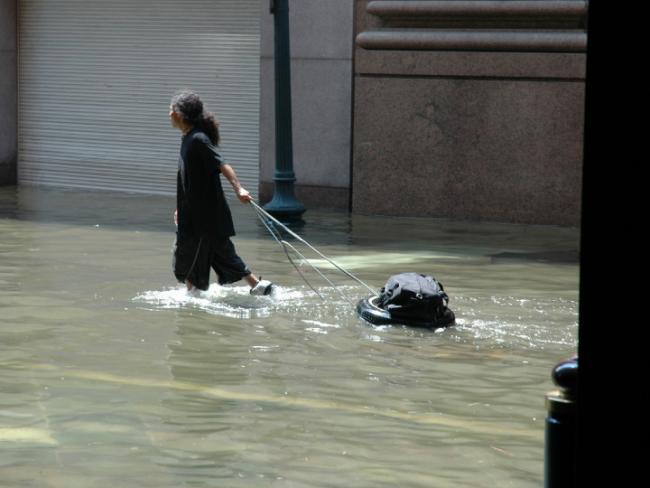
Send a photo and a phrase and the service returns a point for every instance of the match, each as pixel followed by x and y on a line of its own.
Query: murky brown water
pixel 112 375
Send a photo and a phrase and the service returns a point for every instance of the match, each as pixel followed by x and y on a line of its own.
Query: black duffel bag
pixel 414 298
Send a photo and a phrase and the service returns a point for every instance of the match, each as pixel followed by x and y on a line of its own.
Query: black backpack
pixel 415 298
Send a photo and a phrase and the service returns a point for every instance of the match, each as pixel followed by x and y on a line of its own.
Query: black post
pixel 284 204
pixel 560 444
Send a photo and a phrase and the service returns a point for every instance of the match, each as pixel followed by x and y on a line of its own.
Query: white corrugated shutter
pixel 96 78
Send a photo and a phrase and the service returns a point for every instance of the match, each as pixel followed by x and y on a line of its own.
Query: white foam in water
pixel 526 322
pixel 236 301
pixel 320 324
pixel 231 301
pixel 531 323
pixel 317 330
pixel 321 327
pixel 373 338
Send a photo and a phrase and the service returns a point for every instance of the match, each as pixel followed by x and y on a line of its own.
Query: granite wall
pixel 8 92
pixel 469 110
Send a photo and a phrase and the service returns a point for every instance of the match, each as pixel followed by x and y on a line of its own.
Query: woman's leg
pixel 231 268
pixel 252 280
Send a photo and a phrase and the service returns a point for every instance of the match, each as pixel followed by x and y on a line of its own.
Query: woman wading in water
pixel 203 219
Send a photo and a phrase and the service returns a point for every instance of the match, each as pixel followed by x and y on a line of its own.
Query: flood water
pixel 111 374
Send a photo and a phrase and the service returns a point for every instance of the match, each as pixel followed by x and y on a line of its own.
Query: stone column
pixel 321 83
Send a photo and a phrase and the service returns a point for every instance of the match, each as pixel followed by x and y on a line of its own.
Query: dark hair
pixel 189 106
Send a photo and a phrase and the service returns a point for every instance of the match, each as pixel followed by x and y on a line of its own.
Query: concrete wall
pixel 321 80
pixel 456 117
pixel 8 92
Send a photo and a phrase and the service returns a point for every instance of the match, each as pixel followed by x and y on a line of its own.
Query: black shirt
pixel 201 203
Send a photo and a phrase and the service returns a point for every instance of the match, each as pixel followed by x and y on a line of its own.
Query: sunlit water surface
pixel 113 375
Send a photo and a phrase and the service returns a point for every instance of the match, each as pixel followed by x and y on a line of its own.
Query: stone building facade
pixel 465 109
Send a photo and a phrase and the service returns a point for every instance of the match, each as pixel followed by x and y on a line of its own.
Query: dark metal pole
pixel 284 203
pixel 561 434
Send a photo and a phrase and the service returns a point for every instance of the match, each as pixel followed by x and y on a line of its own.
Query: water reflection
pixel 111 373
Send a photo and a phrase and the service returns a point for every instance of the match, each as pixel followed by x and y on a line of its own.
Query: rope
pixel 261 213
pixel 317 271
pixel 276 235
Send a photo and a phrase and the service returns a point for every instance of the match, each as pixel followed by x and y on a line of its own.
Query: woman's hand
pixel 176 216
pixel 243 195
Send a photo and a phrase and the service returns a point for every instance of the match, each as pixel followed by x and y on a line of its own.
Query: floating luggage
pixel 410 299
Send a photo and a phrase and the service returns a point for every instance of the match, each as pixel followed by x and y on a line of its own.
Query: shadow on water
pixel 81 207
pixel 155 213
pixel 569 257
pixel 128 211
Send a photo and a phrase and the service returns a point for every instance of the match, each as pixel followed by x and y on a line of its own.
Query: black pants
pixel 193 258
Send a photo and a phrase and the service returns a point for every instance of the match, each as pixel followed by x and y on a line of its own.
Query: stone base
pixel 312 197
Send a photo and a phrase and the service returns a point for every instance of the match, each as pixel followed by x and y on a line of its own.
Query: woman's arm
pixel 229 173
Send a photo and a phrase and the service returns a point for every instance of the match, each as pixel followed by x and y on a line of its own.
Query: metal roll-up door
pixel 96 78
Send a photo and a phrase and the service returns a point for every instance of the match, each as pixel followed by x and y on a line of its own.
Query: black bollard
pixel 561 436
